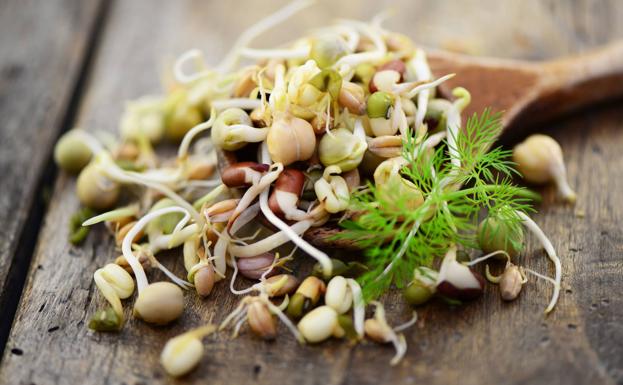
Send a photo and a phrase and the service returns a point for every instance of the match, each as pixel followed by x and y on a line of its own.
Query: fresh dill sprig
pixel 397 238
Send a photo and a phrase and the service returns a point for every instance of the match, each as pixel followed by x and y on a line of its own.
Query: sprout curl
pixel 551 253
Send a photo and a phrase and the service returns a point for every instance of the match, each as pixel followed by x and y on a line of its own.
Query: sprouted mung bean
pixel 345 128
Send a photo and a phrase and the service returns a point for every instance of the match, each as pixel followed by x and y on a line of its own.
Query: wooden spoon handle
pixel 578 81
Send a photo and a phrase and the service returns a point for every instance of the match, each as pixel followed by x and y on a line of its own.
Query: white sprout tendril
pixel 325 261
pixel 271 242
pixel 233 280
pixel 422 72
pixel 412 91
pixel 539 275
pixel 286 321
pixel 288 53
pixel 110 168
pixel 551 253
pixel 258 28
pixel 190 135
pixel 112 215
pixel 126 246
pixel 359 307
pixel 382 16
pixel 243 103
pixel 178 281
pixel 407 324
pixel 490 255
pixel 178 72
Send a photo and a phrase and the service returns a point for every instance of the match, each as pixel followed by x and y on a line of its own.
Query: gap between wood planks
pixel 27 240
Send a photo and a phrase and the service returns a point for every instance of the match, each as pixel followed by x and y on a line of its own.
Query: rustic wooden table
pixel 74 62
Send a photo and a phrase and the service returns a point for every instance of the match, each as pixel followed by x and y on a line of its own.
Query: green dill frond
pixel 397 237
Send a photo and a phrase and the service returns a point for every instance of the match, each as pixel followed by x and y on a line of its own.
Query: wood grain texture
pixel 43 46
pixel 485 342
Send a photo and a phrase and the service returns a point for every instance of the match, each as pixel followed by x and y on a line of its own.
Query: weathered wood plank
pixel 484 342
pixel 43 46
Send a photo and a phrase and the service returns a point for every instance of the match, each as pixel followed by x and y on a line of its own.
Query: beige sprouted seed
pixel 291 139
pixel 496 234
pixel 246 82
pixel 320 324
pixel 115 284
pixel 181 354
pixel 280 285
pixel 388 146
pixel 306 296
pixel 423 286
pixel 341 148
pixel 95 190
pixel 539 159
pixel 127 151
pixel 394 188
pixel 204 279
pixel 339 295
pixel 378 330
pixel 261 321
pixel 352 96
pixel 511 282
pixel 384 81
pixel 123 231
pixel 332 190
pixel 233 129
pixel 71 153
pixel 263 327
pixel 159 303
pixel 142 257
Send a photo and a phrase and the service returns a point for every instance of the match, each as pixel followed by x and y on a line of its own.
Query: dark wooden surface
pixel 486 342
pixel 43 49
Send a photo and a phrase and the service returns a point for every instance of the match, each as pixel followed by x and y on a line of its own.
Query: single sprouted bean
pixel 115 284
pixel 378 330
pixel 332 190
pixel 539 159
pixel 338 295
pixel 181 354
pixel 306 297
pixel 238 315
pixel 320 324
pixel 147 305
pixel 456 280
pixel 422 287
pixel 71 153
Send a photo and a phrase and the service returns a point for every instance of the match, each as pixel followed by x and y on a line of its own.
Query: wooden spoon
pixel 528 93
